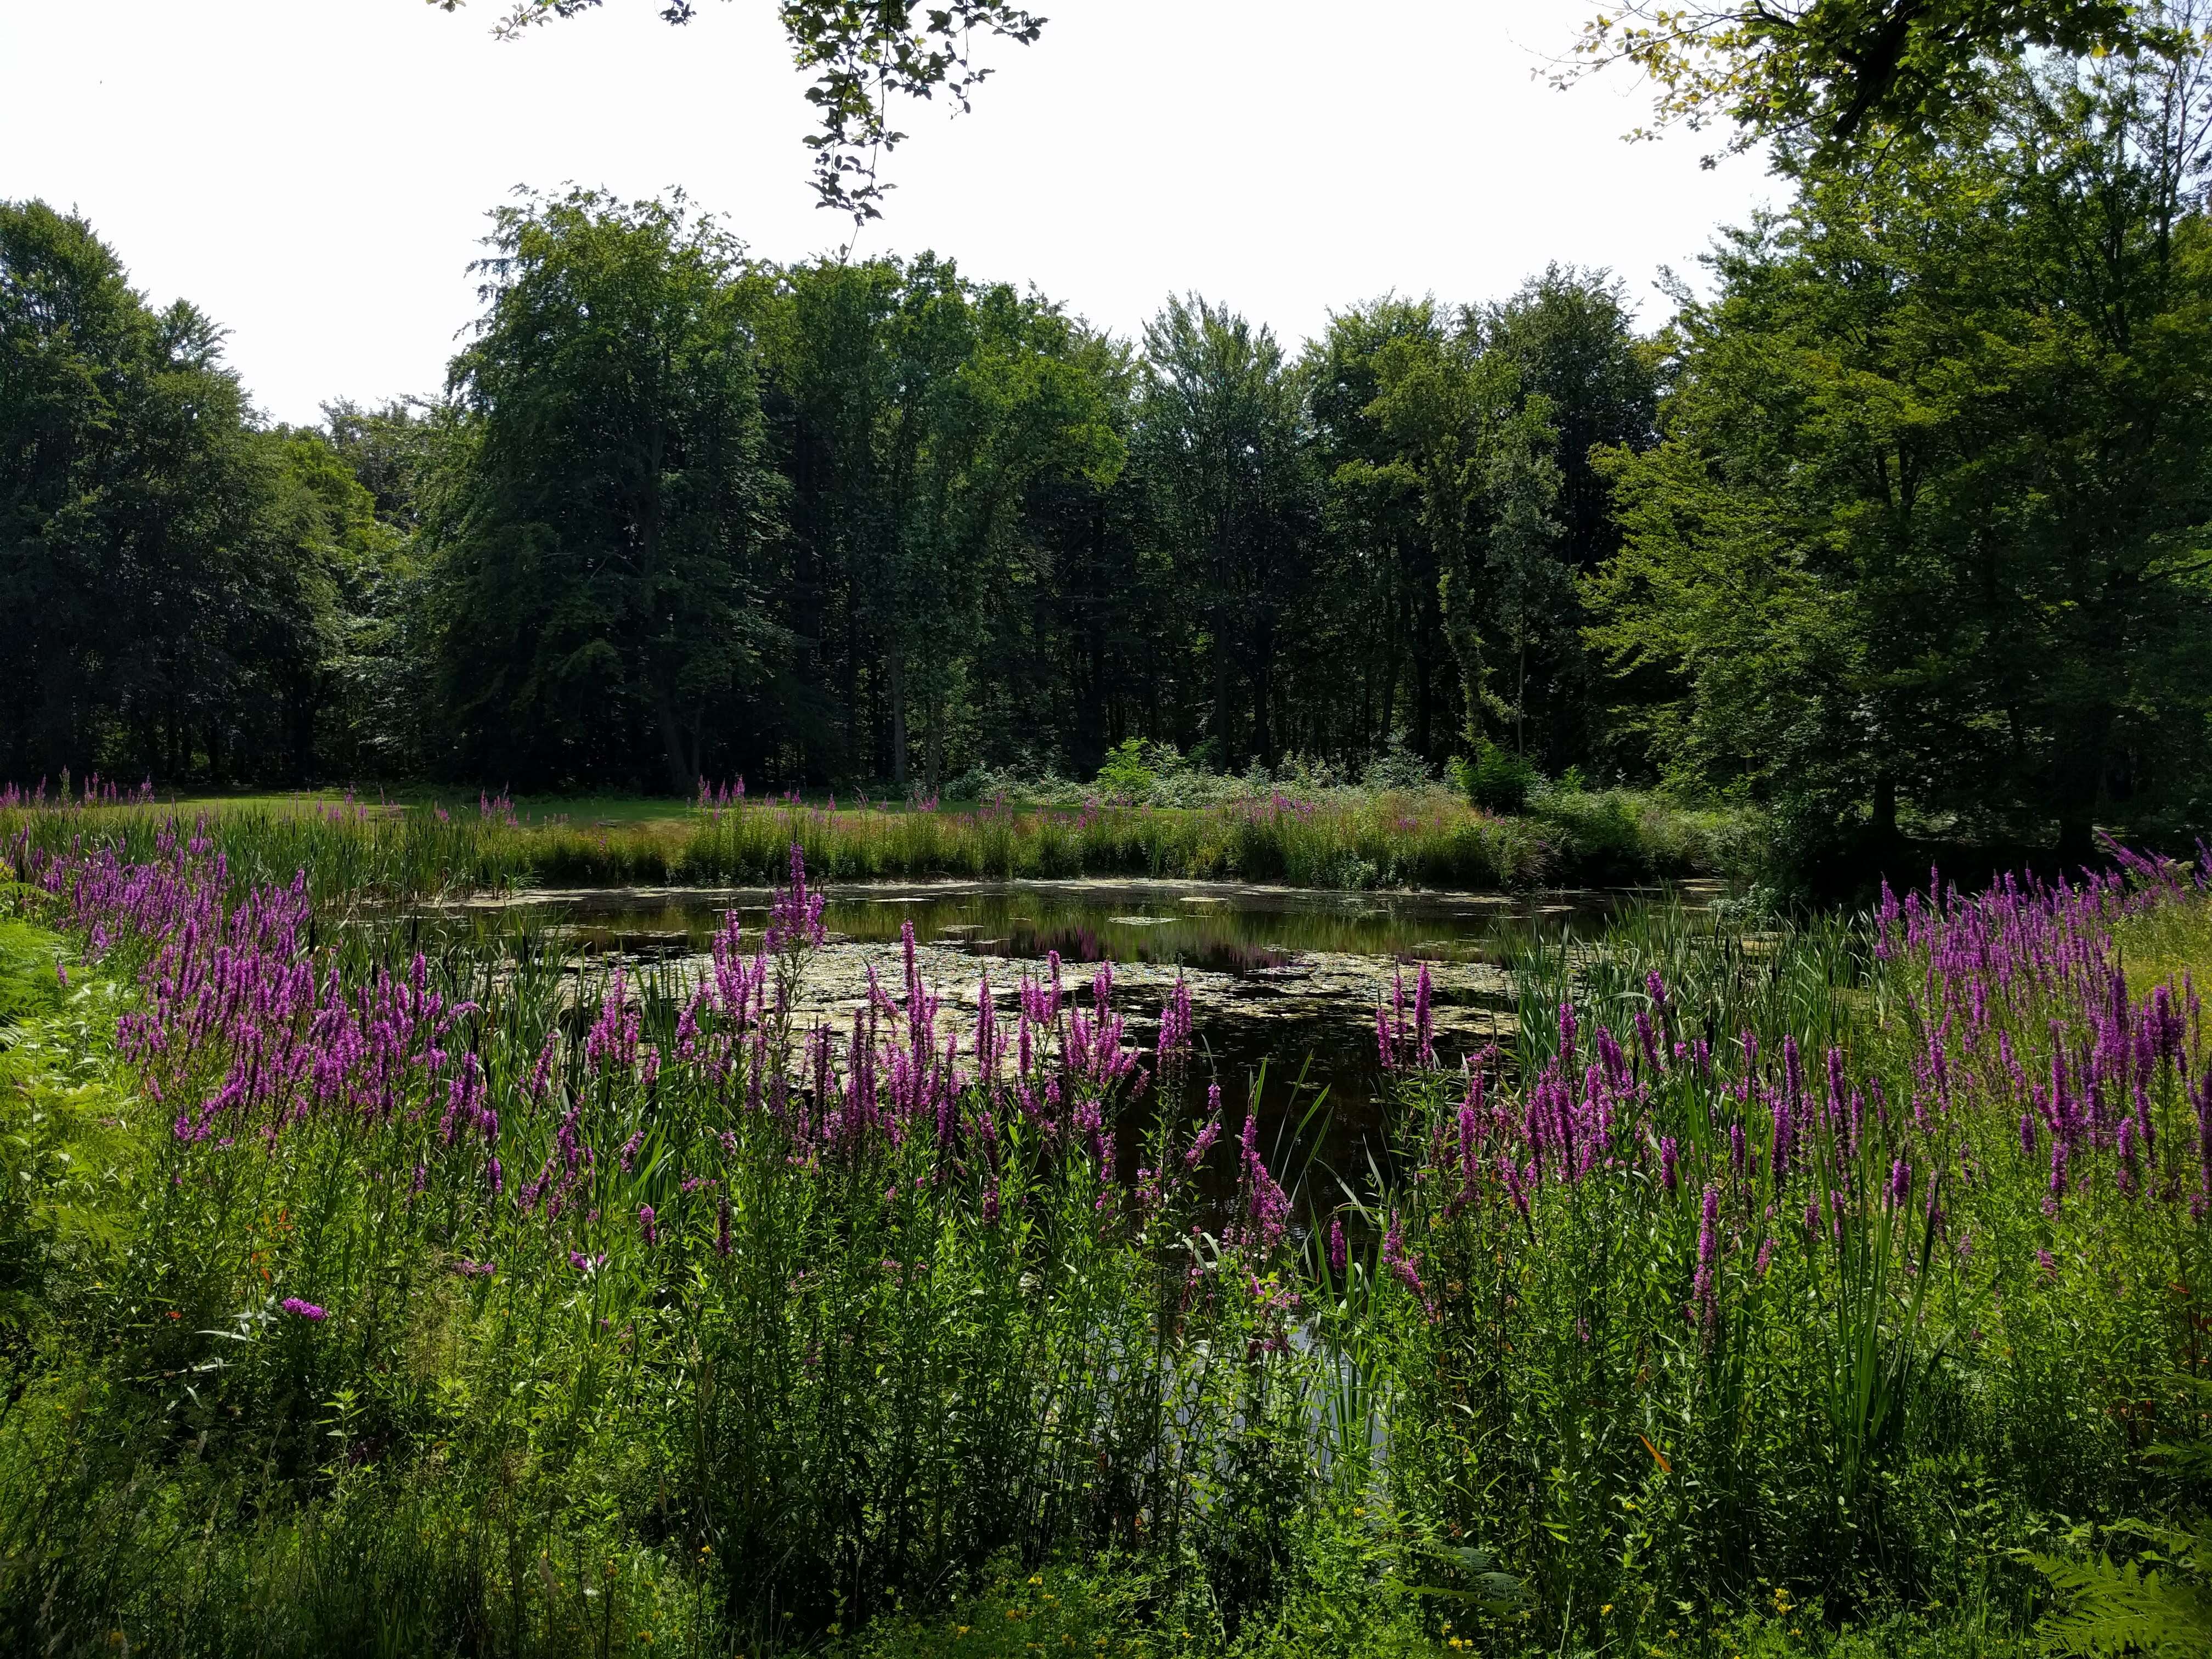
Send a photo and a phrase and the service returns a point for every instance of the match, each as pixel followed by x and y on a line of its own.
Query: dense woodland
pixel 1900 519
pixel 381 1273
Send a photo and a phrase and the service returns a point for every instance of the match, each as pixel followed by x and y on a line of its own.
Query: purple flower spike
pixel 795 922
pixel 1704 1302
pixel 306 1310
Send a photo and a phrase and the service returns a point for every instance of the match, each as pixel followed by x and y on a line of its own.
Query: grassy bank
pixel 1805 1289
pixel 1339 838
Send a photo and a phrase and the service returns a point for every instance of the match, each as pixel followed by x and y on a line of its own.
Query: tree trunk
pixel 2080 779
pixel 1089 703
pixel 1424 676
pixel 1521 700
pixel 1221 666
pixel 1263 737
pixel 933 749
pixel 1390 713
pixel 682 776
pixel 896 688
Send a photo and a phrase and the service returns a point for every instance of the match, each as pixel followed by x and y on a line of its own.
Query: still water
pixel 1285 982
pixel 1211 926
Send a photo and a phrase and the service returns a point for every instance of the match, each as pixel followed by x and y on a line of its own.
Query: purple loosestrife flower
pixel 1204 1142
pixel 1900 1183
pixel 1704 1312
pixel 795 919
pixel 1668 1178
pixel 1337 1254
pixel 1406 1267
pixel 2204 1126
pixel 644 1226
pixel 1175 1018
pixel 1266 1203
pixel 306 1310
pixel 1648 1041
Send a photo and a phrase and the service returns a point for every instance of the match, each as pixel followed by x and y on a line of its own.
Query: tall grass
pixel 467 1299
pixel 351 851
pixel 1865 1249
pixel 1344 839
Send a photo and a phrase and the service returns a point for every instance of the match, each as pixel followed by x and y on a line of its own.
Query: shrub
pixel 1397 768
pixel 1495 778
pixel 1125 776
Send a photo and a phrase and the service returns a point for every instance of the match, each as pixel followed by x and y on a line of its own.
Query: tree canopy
pixel 862 57
pixel 1901 526
pixel 1928 520
pixel 1837 73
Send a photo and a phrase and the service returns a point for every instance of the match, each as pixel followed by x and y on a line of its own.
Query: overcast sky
pixel 315 172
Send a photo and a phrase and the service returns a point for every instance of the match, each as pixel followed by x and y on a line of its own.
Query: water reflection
pixel 1286 982
pixel 1213 927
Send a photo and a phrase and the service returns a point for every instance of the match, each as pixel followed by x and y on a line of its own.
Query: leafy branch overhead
pixel 1836 71
pixel 863 54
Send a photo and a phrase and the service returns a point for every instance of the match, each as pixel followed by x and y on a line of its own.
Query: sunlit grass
pixel 2174 942
pixel 1733 1306
pixel 424 845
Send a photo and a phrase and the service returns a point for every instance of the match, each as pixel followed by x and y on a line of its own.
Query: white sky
pixel 313 174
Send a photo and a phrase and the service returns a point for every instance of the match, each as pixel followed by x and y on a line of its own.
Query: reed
pixel 578 1307
pixel 387 853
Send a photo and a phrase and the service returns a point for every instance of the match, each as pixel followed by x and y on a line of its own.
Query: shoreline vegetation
pixel 1840 1296
pixel 412 847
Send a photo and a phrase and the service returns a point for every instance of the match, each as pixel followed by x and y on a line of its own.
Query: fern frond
pixel 2125 1609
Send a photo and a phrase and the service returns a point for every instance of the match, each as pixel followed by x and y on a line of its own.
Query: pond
pixel 1285 982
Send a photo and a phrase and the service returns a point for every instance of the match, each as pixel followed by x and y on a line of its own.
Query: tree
pixel 1570 336
pixel 164 613
pixel 1390 575
pixel 1835 72
pixel 1927 526
pixel 917 411
pixel 863 56
pixel 603 518
pixel 1474 456
pixel 1222 439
